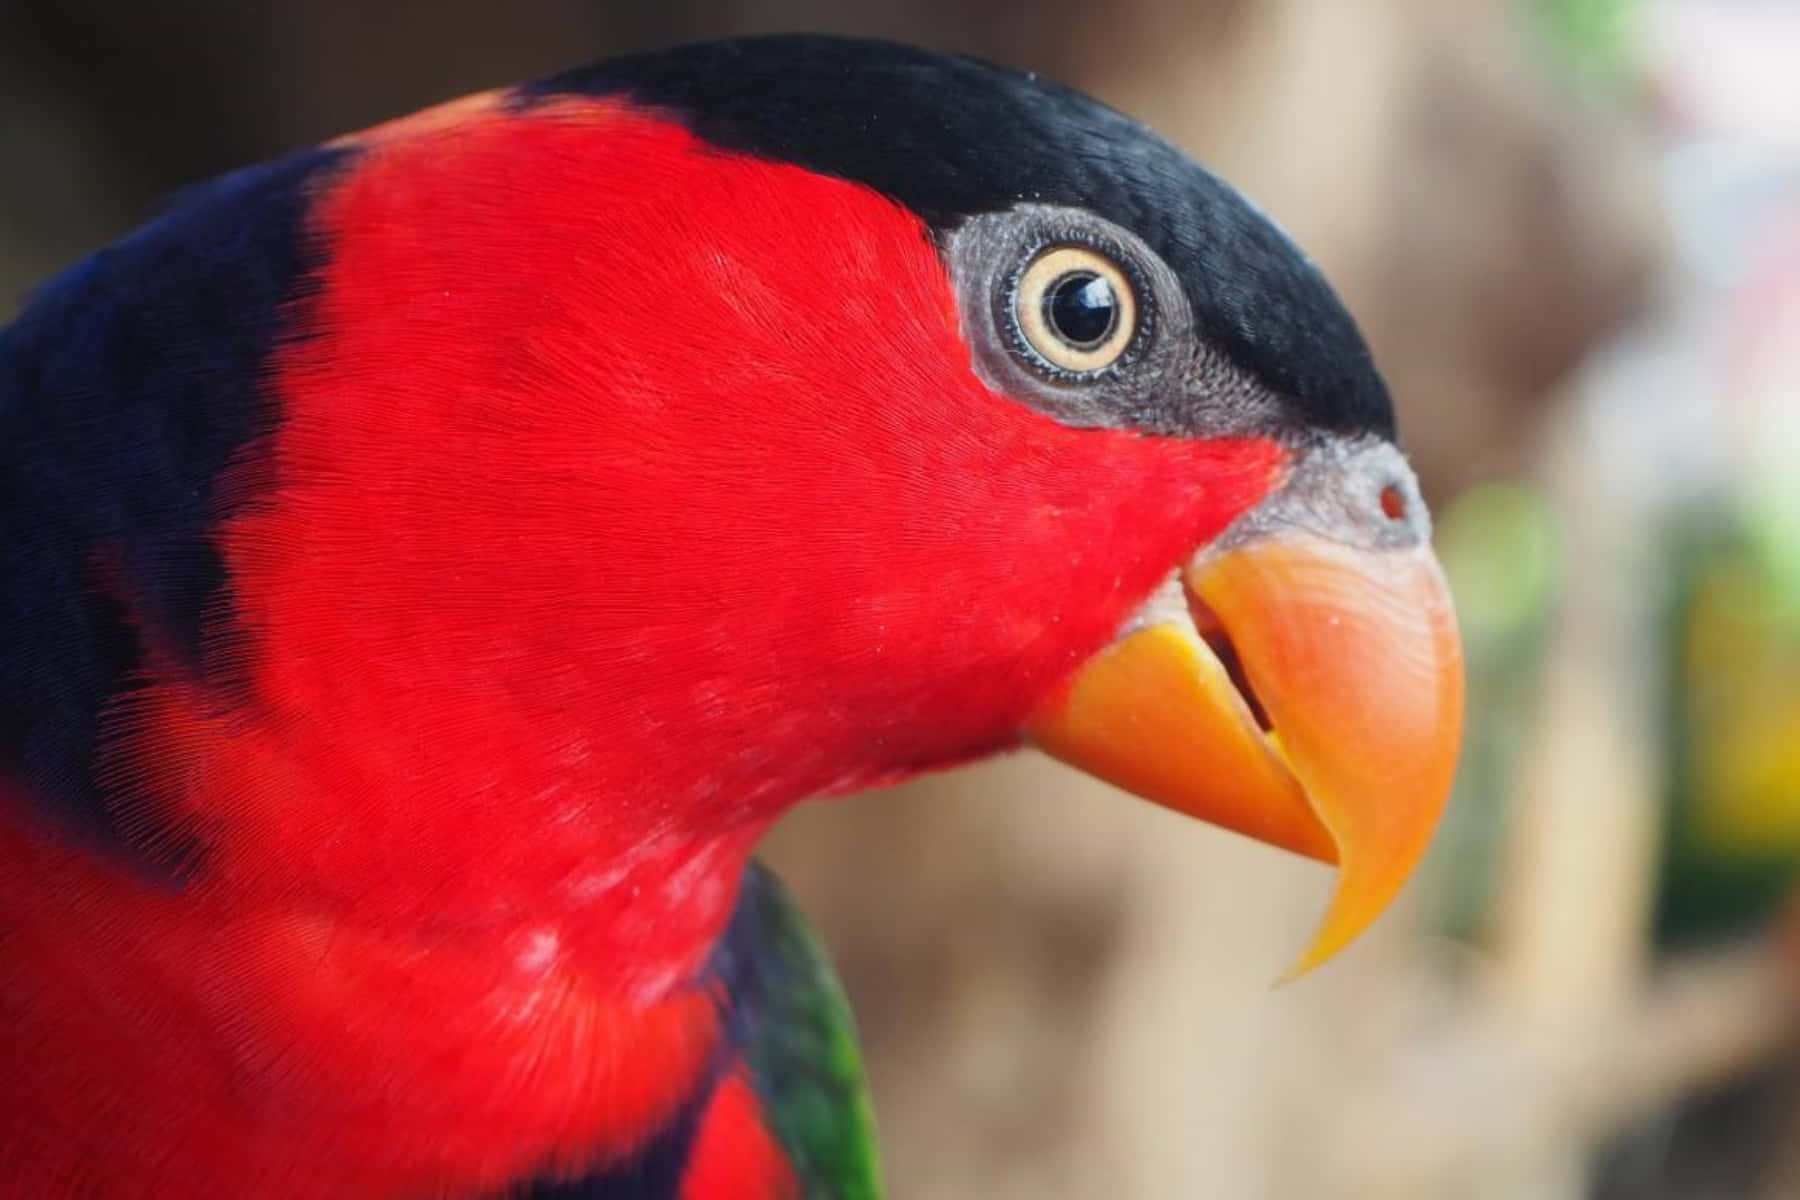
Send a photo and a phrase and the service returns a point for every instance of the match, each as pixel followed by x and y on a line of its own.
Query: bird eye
pixel 1076 309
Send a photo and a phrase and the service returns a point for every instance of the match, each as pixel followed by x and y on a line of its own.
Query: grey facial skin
pixel 1360 492
pixel 1169 381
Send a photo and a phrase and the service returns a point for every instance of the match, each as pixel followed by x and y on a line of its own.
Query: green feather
pixel 800 1045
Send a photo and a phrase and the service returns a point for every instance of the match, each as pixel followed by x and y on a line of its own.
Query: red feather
pixel 733 1153
pixel 626 492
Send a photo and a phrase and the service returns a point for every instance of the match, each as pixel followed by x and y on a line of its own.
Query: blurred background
pixel 1571 229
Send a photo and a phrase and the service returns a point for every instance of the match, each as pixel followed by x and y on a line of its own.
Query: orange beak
pixel 1338 736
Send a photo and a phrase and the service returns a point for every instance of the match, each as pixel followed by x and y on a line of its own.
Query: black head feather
pixel 953 137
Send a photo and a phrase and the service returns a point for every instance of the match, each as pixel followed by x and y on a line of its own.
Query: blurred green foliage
pixel 1593 38
pixel 1500 546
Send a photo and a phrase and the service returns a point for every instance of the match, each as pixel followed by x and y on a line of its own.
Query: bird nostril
pixel 1393 504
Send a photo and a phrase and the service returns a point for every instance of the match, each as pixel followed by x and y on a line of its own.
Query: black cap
pixel 952 137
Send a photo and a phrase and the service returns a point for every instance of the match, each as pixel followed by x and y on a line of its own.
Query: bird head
pixel 674 440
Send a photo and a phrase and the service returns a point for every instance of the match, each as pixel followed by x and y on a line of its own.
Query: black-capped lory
pixel 433 559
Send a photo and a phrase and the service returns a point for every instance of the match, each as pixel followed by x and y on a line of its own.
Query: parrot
pixel 434 558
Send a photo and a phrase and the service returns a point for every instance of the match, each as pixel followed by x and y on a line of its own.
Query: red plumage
pixel 733 1153
pixel 626 492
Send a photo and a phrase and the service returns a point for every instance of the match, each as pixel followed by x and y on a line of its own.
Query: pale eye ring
pixel 1076 309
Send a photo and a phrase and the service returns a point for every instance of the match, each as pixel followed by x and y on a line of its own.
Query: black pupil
pixel 1082 308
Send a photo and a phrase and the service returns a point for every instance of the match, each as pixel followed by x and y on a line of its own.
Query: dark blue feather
pixel 127 387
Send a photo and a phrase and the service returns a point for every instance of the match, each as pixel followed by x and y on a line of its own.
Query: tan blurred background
pixel 1552 218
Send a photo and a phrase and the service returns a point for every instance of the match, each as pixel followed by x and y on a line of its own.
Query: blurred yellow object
pixel 1731 856
pixel 1741 673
